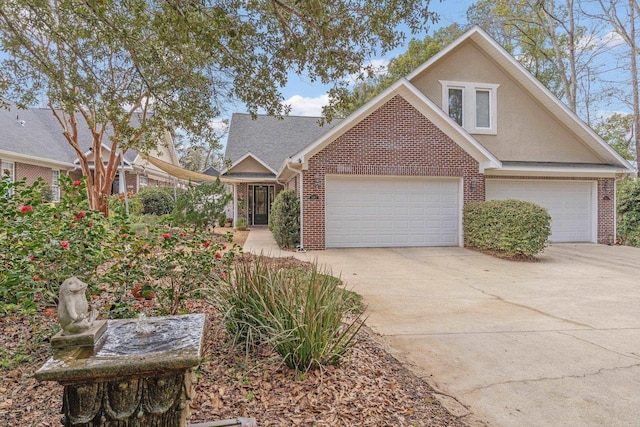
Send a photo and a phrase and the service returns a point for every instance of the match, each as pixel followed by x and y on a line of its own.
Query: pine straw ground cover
pixel 370 387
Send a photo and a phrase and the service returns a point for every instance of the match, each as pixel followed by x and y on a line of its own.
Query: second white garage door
pixel 391 212
pixel 570 204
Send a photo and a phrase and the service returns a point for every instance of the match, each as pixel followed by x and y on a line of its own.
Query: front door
pixel 261 204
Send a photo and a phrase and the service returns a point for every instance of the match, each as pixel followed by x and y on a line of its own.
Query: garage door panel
pixel 569 203
pixel 384 212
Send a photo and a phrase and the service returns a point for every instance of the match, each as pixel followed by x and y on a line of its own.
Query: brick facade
pixel 397 140
pixel 394 140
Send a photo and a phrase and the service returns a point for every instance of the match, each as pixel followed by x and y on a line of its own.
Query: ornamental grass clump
pixel 304 315
pixel 511 228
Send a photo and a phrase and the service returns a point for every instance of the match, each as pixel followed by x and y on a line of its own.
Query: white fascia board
pixel 34 160
pixel 576 172
pixel 243 158
pixel 288 170
pixel 419 101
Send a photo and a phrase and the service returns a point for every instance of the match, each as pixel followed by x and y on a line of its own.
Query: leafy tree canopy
pixel 134 68
pixel 618 130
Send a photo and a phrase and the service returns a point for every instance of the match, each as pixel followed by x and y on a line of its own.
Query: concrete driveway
pixel 551 343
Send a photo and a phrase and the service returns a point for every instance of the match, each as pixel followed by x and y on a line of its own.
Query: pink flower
pixel 25 209
pixel 76 183
pixel 64 244
pixel 181 234
pixel 206 244
pixel 82 214
pixel 166 236
pixel 223 275
pixel 32 258
pixel 224 248
pixel 218 256
pixel 36 278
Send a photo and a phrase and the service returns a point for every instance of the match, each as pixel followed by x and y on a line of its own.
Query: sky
pixel 307 99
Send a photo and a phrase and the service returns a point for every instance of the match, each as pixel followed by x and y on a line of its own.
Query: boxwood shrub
pixel 285 219
pixel 509 227
pixel 156 201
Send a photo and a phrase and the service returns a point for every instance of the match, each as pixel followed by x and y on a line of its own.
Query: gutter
pixel 13 156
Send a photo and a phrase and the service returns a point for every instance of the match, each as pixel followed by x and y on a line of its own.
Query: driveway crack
pixel 629 355
pixel 535 310
pixel 536 380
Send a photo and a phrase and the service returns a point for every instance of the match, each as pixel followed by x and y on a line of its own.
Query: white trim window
pixel 472 105
pixel 143 181
pixel 8 173
pixel 55 185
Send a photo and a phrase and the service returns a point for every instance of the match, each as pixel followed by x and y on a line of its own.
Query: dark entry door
pixel 261 205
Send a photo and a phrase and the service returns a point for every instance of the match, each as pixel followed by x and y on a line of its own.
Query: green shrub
pixel 628 198
pixel 302 314
pixel 117 202
pixel 509 227
pixel 156 201
pixel 285 219
pixel 202 205
pixel 241 223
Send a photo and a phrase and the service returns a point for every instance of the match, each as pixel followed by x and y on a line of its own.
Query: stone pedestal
pixel 136 376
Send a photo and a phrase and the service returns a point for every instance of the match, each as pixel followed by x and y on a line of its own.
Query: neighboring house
pixel 32 146
pixel 470 124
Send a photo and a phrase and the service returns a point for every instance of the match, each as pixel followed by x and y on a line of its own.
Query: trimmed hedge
pixel 156 201
pixel 284 221
pixel 510 227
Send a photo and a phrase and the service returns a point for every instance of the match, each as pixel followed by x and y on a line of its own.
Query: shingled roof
pixel 270 139
pixel 36 132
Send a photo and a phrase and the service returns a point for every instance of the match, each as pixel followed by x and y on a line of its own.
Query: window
pixel 143 181
pixel 7 171
pixel 471 105
pixel 55 185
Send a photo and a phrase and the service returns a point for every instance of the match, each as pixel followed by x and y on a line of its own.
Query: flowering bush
pixel 42 244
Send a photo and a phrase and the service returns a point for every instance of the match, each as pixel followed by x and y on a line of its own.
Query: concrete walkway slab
pixel 548 343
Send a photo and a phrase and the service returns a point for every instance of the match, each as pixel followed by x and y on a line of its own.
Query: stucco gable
pixel 532 123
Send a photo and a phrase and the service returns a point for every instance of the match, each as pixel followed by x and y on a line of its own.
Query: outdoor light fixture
pixel 607 187
pixel 473 184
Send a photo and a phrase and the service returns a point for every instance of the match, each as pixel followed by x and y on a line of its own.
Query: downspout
pixel 235 203
pixel 299 172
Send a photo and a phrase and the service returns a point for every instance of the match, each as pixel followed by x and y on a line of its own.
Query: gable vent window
pixel 472 105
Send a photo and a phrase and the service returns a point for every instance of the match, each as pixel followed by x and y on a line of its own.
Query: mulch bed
pixel 370 388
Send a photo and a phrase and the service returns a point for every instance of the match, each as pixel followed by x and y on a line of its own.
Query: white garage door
pixel 390 212
pixel 570 204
